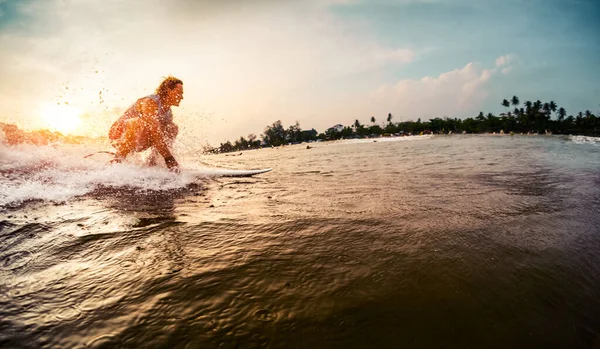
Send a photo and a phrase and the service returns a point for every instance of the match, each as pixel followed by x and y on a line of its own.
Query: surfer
pixel 148 123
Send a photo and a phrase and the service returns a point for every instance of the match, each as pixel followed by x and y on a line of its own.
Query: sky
pixel 76 65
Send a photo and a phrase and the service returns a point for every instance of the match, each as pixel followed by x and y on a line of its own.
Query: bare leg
pixel 132 130
pixel 153 157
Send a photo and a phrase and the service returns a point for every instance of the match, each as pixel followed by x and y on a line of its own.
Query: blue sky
pixel 557 42
pixel 246 64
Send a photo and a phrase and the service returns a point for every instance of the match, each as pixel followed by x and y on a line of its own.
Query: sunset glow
pixel 329 62
pixel 62 118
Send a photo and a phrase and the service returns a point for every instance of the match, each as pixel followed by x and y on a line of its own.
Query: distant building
pixel 335 128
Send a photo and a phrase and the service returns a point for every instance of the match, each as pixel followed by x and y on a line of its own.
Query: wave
pixel 585 140
pixel 58 173
pixel 385 139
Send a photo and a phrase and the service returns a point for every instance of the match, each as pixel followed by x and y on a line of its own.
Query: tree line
pixel 529 117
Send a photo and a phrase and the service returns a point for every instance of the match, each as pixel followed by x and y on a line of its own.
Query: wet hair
pixel 169 83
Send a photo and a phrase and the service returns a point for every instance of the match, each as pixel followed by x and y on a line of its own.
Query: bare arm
pixel 148 109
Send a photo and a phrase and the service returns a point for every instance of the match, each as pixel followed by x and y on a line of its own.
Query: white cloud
pixel 505 60
pixel 456 93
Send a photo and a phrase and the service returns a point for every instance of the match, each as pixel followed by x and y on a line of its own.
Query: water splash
pixel 57 173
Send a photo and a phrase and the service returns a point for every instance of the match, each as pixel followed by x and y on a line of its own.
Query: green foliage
pixel 275 134
pixel 534 117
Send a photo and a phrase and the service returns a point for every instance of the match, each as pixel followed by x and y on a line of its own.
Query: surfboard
pixel 224 172
pixel 209 171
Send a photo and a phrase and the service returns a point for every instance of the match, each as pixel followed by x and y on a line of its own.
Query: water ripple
pixel 446 242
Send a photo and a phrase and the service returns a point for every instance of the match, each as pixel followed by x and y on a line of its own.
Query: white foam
pixel 396 139
pixel 380 139
pixel 585 140
pixel 60 172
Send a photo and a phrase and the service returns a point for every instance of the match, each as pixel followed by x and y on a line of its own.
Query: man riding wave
pixel 148 123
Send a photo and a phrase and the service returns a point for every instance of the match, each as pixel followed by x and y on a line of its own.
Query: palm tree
pixel 561 114
pixel 515 101
pixel 516 111
pixel 579 119
pixel 528 107
pixel 553 106
pixel 537 112
pixel 546 109
pixel 356 124
pixel 505 103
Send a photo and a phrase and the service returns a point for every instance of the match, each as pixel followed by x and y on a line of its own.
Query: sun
pixel 62 118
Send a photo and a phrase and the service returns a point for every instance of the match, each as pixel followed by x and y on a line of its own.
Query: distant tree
pixel 226 147
pixel 375 129
pixel 309 135
pixel 293 133
pixel 505 103
pixel 515 101
pixel 552 106
pixel 579 119
pixel 528 108
pixel 275 134
pixel 437 125
pixel 561 114
pixel 533 117
pixel 241 144
pixel 253 141
pixel 346 132
pixel 547 112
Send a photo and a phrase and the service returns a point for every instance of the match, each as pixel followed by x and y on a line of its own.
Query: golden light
pixel 62 118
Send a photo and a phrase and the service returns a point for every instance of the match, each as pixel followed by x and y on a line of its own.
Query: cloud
pixel 457 93
pixel 506 70
pixel 505 60
pixel 235 58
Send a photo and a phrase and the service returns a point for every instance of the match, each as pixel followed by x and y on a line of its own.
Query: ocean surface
pixel 416 242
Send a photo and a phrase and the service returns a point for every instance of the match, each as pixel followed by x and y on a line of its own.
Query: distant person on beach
pixel 148 123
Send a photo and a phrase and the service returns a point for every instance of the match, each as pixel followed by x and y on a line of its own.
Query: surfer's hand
pixel 172 164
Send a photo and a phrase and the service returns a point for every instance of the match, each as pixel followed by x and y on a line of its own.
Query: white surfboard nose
pixel 223 172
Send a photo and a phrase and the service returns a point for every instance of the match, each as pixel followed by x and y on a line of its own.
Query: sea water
pixel 416 242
